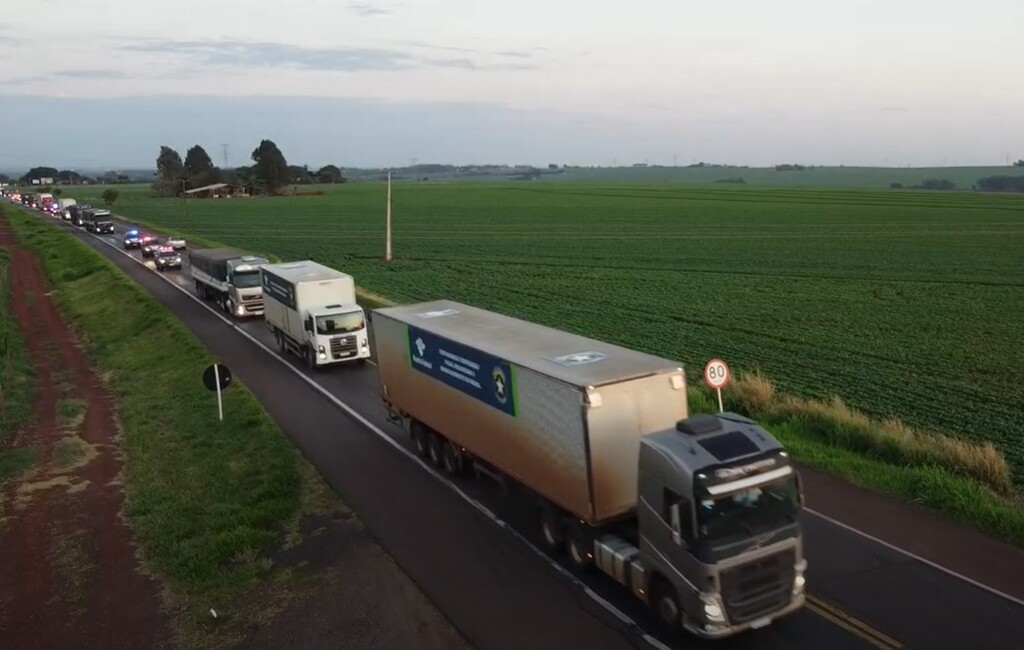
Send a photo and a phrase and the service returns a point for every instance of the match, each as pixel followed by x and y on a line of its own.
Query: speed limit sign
pixel 716 376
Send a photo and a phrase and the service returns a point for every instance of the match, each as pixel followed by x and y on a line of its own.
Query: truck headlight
pixel 320 349
pixel 713 610
pixel 240 310
pixel 365 343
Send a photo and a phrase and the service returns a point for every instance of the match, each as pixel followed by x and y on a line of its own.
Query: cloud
pixel 367 9
pixel 279 55
pixel 68 74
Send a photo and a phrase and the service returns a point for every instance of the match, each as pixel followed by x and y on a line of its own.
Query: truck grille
pixel 759 587
pixel 343 346
pixel 253 307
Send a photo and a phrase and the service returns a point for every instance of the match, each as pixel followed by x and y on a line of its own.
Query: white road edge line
pixel 914 556
pixel 614 610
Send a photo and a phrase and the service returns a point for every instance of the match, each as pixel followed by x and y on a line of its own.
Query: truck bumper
pixel 732 630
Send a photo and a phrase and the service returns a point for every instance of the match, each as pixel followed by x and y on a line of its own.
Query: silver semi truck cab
pixel 719 539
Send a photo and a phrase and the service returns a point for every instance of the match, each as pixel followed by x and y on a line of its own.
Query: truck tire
pixel 579 547
pixel 552 530
pixel 420 438
pixel 310 358
pixel 452 461
pixel 435 446
pixel 664 603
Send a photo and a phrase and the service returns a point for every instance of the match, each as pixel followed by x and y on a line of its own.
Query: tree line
pixel 270 172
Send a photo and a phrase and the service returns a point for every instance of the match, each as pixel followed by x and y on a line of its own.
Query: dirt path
pixel 68 573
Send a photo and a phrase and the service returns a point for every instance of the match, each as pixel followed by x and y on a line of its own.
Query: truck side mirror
pixel 308 325
pixel 676 526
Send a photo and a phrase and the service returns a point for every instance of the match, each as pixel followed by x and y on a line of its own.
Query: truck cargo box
pixel 213 261
pixel 560 413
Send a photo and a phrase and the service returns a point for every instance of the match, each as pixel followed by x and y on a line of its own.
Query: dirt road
pixel 68 571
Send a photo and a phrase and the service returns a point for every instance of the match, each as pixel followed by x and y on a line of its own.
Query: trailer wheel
pixel 435 445
pixel 420 439
pixel 580 549
pixel 551 529
pixel 452 460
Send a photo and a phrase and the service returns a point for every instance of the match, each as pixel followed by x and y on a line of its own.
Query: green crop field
pixel 904 303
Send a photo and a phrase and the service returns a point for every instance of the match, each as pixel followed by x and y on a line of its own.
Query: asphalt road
pixel 501 592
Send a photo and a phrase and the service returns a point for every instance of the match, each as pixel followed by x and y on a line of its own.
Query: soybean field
pixel 904 303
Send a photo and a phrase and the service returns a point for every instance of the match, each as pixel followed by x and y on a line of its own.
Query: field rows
pixel 903 303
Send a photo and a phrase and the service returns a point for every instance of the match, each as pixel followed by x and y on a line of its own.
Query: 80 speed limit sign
pixel 716 374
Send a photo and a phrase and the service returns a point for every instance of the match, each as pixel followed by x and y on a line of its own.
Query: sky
pixel 579 82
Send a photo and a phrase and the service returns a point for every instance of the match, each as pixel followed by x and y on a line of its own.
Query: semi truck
pixel 229 277
pixel 98 221
pixel 311 310
pixel 697 516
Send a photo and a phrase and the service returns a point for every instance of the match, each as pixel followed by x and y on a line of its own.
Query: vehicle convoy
pixel 229 277
pixel 311 310
pixel 98 221
pixel 696 516
pixel 167 258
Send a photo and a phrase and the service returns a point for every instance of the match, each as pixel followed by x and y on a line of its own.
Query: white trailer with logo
pixel 696 516
pixel 312 312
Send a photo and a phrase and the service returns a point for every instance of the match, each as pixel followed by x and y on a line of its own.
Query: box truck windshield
pixel 335 323
pixel 749 511
pixel 246 279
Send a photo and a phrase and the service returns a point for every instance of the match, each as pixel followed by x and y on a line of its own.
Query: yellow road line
pixel 852 624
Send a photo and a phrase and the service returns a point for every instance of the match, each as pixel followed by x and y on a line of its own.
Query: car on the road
pixel 177 243
pixel 132 238
pixel 167 257
pixel 149 245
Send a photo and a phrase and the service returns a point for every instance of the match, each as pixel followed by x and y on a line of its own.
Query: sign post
pixel 217 378
pixel 716 376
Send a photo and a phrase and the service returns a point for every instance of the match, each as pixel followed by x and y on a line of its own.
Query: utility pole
pixel 225 149
pixel 184 202
pixel 387 246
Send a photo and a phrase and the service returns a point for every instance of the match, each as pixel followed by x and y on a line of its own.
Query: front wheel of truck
pixel 665 603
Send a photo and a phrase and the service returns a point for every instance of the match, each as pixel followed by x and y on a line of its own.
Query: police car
pixel 132 238
pixel 167 258
pixel 150 244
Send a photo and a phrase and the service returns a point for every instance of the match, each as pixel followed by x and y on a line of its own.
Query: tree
pixel 1019 163
pixel 37 173
pixel 199 169
pixel 170 172
pixel 300 175
pixel 330 174
pixel 271 168
pixel 4 178
pixel 57 191
pixel 69 177
pixel 110 197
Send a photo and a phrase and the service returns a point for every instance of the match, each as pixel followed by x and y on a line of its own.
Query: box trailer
pixel 600 438
pixel 312 312
pixel 229 277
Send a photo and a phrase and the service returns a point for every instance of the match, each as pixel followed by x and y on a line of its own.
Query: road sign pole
pixel 720 408
pixel 220 403
pixel 717 376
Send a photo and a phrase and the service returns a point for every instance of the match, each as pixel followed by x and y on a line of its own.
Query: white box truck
pixel 696 516
pixel 64 206
pixel 311 310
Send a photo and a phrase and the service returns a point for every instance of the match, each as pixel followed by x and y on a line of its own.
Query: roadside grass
pixel 969 482
pixel 203 497
pixel 17 461
pixel 17 379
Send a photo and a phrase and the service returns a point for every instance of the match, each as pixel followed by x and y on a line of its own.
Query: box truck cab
pixel 312 312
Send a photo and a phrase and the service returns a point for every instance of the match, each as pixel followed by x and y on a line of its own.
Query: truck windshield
pixel 338 323
pixel 246 279
pixel 746 511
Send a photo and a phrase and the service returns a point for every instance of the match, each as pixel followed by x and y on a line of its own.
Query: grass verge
pixel 16 377
pixel 203 497
pixel 968 482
